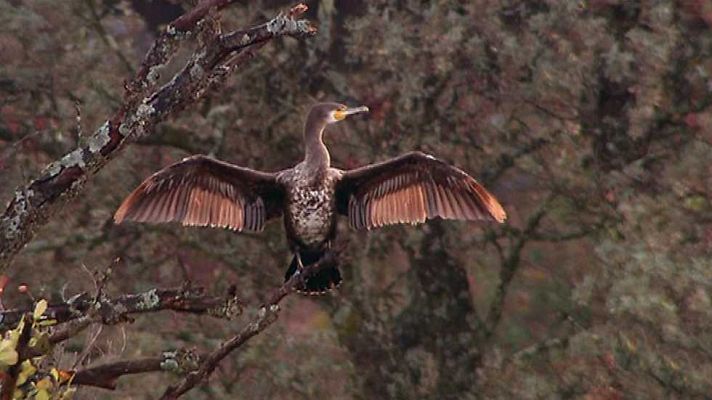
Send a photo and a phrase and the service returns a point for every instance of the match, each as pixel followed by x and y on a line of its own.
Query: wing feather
pixel 202 191
pixel 411 189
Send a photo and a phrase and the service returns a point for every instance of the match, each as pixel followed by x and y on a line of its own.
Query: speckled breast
pixel 311 210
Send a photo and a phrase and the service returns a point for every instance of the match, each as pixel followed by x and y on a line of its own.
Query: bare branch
pixel 34 202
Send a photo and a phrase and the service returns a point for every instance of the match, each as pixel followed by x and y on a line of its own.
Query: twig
pixel 95 21
pixel 88 346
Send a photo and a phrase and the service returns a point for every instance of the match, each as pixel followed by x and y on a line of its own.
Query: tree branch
pixel 112 311
pixel 106 375
pixel 34 202
pixel 509 267
pixel 507 160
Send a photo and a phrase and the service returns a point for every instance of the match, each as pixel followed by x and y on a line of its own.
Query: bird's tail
pixel 324 281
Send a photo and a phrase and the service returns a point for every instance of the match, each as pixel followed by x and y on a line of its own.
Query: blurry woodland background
pixel 590 120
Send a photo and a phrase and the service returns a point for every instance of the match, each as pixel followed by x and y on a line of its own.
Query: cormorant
pixel 202 191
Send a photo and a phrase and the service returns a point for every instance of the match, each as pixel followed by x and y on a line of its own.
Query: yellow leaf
pixel 40 309
pixel 68 394
pixel 673 365
pixel 44 384
pixel 42 395
pixel 26 371
pixel 14 335
pixel 61 376
pixel 630 345
pixel 8 355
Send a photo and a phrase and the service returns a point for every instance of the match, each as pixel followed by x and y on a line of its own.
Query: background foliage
pixel 590 120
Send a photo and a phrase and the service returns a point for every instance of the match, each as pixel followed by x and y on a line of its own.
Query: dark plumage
pixel 412 188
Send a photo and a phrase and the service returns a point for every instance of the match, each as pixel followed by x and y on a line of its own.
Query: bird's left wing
pixel 410 189
pixel 202 191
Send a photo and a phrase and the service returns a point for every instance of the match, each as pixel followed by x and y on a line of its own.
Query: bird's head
pixel 334 112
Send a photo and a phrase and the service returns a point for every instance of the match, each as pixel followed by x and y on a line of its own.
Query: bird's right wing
pixel 410 189
pixel 202 191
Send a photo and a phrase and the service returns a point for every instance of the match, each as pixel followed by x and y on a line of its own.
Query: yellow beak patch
pixel 339 115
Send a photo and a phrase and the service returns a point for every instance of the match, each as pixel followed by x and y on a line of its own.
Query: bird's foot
pixel 300 274
pixel 300 265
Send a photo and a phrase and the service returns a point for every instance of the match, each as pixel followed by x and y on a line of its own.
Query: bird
pixel 311 196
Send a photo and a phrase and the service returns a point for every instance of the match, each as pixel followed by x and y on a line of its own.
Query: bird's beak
pixel 355 110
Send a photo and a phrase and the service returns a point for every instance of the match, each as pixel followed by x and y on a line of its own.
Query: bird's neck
pixel 316 155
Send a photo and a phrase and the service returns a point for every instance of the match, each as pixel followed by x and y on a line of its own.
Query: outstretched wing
pixel 410 189
pixel 201 191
